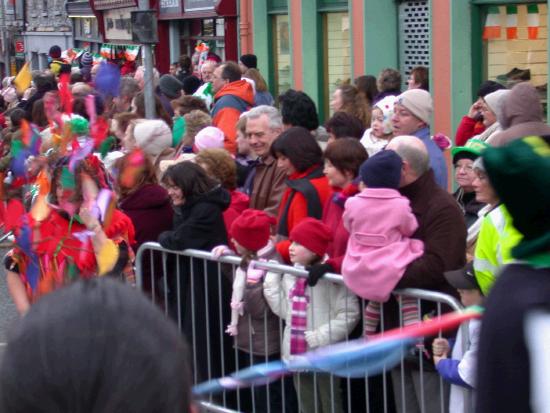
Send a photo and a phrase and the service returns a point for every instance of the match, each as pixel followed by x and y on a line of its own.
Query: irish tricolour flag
pixel 492 24
pixel 533 21
pixel 511 22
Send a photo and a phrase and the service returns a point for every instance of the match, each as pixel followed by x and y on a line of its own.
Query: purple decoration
pixel 81 153
pixel 107 80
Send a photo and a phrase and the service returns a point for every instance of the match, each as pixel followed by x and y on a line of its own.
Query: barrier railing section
pixel 200 304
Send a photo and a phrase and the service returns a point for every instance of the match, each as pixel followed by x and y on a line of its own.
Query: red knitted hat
pixel 252 229
pixel 312 234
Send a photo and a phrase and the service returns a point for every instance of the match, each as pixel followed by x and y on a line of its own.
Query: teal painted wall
pixel 312 74
pixel 462 62
pixel 262 38
pixel 380 36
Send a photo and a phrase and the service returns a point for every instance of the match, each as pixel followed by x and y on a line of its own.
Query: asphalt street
pixel 7 309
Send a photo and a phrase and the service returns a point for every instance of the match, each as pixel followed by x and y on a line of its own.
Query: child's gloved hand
pixel 440 347
pixel 316 272
pixel 221 250
pixel 312 339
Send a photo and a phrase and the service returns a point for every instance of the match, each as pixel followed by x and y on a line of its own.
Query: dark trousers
pixel 276 396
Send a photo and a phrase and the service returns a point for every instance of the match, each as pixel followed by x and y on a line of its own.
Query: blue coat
pixel 437 160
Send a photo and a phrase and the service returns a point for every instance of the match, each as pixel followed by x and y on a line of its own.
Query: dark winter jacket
pixel 505 379
pixel 469 206
pixel 198 292
pixel 442 229
pixel 198 223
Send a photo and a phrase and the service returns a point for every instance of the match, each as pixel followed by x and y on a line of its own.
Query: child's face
pixel 377 123
pixel 300 254
pixel 470 297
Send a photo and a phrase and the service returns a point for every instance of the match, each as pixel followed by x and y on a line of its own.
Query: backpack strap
pixel 306 188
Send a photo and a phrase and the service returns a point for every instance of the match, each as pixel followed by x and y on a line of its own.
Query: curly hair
pixel 297 109
pixel 355 103
pixel 194 122
pixel 186 104
pixel 219 165
pixel 389 80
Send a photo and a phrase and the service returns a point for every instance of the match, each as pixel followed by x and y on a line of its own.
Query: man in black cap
pixel 514 351
pixel 248 61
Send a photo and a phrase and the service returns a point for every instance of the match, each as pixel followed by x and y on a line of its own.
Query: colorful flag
pixel 23 79
pixel 533 21
pixel 492 24
pixel 512 22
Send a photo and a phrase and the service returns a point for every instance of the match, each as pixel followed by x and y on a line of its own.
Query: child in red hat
pixel 314 316
pixel 255 327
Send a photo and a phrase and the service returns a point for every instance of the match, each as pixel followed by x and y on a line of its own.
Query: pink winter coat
pixel 380 223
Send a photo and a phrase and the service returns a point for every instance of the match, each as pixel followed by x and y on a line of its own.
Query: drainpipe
pixel 244 26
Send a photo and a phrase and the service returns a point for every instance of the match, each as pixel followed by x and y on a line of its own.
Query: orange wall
pixel 357 14
pixel 441 66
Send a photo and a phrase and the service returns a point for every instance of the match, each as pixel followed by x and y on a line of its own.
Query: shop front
pixel 86 33
pixel 209 21
pixel 116 29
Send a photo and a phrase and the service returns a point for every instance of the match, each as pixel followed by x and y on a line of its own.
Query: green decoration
pixel 178 131
pixel 80 126
pixel 67 179
pixel 17 146
pixel 106 146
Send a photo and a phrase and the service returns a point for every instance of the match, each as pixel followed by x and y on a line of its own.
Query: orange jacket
pixel 230 101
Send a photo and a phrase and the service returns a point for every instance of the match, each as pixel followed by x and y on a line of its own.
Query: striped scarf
pixel 298 319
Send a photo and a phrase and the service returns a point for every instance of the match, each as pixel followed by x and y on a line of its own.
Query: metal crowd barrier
pixel 194 289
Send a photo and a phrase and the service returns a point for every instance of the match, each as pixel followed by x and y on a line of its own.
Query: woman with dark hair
pixel 389 84
pixel 367 86
pixel 343 157
pixel 298 109
pixel 347 98
pixel 39 117
pixel 419 78
pixel 148 206
pixel 299 154
pixel 60 242
pixel 89 348
pixel 138 105
pixel 344 125
pixel 199 202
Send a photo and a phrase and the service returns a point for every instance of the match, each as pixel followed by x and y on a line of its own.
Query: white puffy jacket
pixel 332 312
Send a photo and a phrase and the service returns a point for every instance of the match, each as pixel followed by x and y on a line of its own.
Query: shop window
pixel 211 30
pixel 414 36
pixel 281 49
pixel 336 52
pixel 511 54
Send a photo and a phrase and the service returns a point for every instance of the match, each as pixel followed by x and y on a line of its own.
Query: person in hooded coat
pixel 521 115
pixel 200 302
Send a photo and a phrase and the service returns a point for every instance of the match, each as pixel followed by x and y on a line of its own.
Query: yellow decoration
pixel 40 209
pixel 107 257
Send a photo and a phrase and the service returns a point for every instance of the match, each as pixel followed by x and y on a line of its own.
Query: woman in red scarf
pixel 63 240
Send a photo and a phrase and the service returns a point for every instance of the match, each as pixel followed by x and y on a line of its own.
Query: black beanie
pixel 55 52
pixel 382 170
pixel 191 84
pixel 170 86
pixel 249 60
